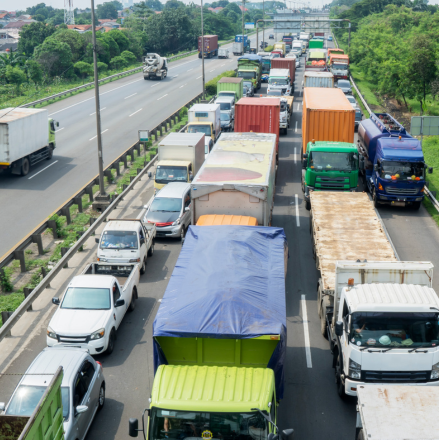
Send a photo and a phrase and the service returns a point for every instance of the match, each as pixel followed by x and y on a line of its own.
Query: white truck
pixel 237 48
pixel 237 178
pixel 180 156
pixel 379 314
pixel 318 79
pixel 396 412
pixel 205 118
pixel 126 241
pixel 27 136
pixel 93 306
pixel 280 79
pixel 223 53
pixel 155 66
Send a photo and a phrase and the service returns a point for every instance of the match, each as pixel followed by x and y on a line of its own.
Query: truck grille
pixel 74 339
pixel 402 191
pixel 325 182
pixel 395 376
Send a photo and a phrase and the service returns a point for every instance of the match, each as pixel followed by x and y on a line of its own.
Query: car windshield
pixel 343 83
pixel 165 204
pixel 206 149
pixel 274 93
pixel 226 94
pixel 27 397
pixel 278 81
pixel 248 84
pixel 199 129
pixel 351 99
pixel 333 161
pixel 358 115
pixel 204 425
pixel 390 329
pixel 119 240
pixel 224 105
pixel 266 67
pixel 248 75
pixel 225 116
pixel 283 106
pixel 86 298
pixel 339 66
pixel 170 173
pixel 402 170
pixel 275 55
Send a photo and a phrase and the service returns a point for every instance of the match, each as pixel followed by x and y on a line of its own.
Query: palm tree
pixel 12 59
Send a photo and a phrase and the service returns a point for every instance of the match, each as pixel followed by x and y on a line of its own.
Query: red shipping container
pixel 258 115
pixel 210 43
pixel 285 63
pixel 319 34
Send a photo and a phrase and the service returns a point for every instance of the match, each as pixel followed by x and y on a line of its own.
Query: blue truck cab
pixel 391 162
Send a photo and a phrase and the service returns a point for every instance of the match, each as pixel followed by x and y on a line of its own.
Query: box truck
pixel 230 87
pixel 180 156
pixel 237 178
pixel 286 63
pixel 219 350
pixel 205 118
pixel 27 136
pixel 210 46
pixel 318 79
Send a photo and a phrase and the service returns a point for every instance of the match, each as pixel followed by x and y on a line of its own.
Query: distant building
pixel 18 24
pixel 8 40
pixel 81 28
pixel 216 10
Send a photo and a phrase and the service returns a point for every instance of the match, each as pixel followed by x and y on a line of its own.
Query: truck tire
pixel 25 166
pixel 151 249
pixel 111 339
pixel 143 267
pixel 338 373
pixel 374 199
pixel 308 205
pixel 49 153
pixel 132 305
pixel 323 308
pixel 360 435
pixel 416 206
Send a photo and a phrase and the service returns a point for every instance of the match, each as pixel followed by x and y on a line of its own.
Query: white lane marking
pixel 212 70
pixel 295 130
pixel 135 113
pixel 131 95
pixel 295 157
pixel 162 97
pixel 306 332
pixel 199 77
pixel 102 109
pixel 222 65
pixel 36 174
pixel 155 85
pixel 231 61
pixel 190 69
pixel 182 86
pixel 59 130
pixel 298 107
pixel 297 211
pixel 94 137
pixel 175 76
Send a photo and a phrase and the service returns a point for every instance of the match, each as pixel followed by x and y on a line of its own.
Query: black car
pixel 271 36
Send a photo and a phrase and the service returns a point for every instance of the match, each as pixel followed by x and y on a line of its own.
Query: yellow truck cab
pixel 205 118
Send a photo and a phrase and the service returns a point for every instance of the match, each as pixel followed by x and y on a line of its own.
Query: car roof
pixel 174 189
pixel 47 362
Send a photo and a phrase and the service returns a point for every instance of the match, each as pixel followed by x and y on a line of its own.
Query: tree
pixel 112 45
pixel 55 57
pixel 34 71
pixel 117 63
pixel 32 35
pixel 16 76
pixel 174 4
pixel 102 67
pixel 75 41
pixel 155 5
pixel 129 57
pixel 107 10
pixel 84 69
pixel 12 59
pixel 120 38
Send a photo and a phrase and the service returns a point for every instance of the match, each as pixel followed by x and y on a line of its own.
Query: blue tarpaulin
pixel 229 282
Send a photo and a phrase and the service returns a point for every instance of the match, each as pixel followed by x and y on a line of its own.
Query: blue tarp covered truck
pixel 220 336
pixel 391 161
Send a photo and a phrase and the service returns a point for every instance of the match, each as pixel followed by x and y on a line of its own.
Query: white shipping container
pixel 237 48
pixel 318 79
pixel 237 178
pixel 22 132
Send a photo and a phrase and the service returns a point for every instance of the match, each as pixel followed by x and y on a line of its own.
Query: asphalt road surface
pixel 311 405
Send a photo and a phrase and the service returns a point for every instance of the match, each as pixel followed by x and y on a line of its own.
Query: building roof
pixel 107 20
pixel 18 24
pixel 4 15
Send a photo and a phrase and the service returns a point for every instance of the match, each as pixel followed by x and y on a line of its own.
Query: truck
pixel 205 118
pixel 318 79
pixel 237 48
pixel 334 50
pixel 327 115
pixel 46 421
pixel 279 79
pixel 329 166
pixel 258 115
pixel 304 36
pixel 126 241
pixel 180 156
pixel 250 68
pixel 379 314
pixel 286 63
pixel 391 162
pixel 155 66
pixel 339 66
pixel 93 305
pixel 223 53
pixel 230 87
pixel 319 34
pixel 210 46
pixel 316 62
pixel 316 43
pixel 266 62
pixel 27 136
pixel 285 113
pixel 226 220
pixel 280 45
pixel 213 344
pixel 237 178
pixel 298 48
pixel 386 412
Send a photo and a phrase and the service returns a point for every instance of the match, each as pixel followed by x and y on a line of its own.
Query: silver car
pixel 82 388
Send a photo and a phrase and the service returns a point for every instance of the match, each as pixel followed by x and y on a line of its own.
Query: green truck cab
pixel 250 68
pixel 329 166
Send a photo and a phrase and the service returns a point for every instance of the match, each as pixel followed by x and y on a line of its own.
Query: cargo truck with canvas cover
pixel 250 68
pixel 219 348
pixel 238 178
pixel 230 87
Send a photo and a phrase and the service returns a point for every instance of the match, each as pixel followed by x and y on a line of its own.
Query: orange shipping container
pixel 258 115
pixel 327 116
pixel 338 57
pixel 335 50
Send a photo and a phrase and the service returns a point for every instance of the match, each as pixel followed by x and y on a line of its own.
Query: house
pixel 24 17
pixel 111 25
pixel 245 9
pixel 18 24
pixel 216 10
pixel 81 28
pixel 8 40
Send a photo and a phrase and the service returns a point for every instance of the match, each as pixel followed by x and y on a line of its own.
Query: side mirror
pixel 2 406
pixel 186 209
pixel 430 170
pixel 81 409
pixel 149 174
pixel 339 328
pixel 120 302
pixel 287 433
pixel 133 427
pixel 55 301
pixel 305 156
pixel 97 240
pixel 375 167
pixel 57 124
pixel 272 436
pixel 142 241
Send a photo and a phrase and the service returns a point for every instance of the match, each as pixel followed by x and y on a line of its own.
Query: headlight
pixel 354 370
pixel 435 371
pixel 51 334
pixel 102 260
pixel 135 260
pixel 177 222
pixel 97 335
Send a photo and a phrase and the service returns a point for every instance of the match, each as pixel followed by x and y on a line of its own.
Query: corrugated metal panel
pixel 285 63
pixel 327 116
pixel 210 42
pixel 222 220
pixel 212 388
pixel 258 115
pixel 346 227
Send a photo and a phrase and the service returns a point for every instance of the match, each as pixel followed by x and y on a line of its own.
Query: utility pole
pixel 202 49
pixel 263 23
pixel 243 9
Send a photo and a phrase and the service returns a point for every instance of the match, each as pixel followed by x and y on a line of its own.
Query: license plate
pixel 398 203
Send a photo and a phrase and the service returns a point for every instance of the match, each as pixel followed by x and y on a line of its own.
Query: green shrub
pixel 129 57
pixel 117 63
pixel 102 67
pixel 212 84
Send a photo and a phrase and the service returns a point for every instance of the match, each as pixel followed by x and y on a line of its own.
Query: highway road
pixel 311 405
pixel 127 105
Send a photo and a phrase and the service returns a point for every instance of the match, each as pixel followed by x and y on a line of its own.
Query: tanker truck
pixel 155 66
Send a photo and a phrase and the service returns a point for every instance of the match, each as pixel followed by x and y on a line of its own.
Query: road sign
pixel 249 26
pixel 143 135
pixel 424 125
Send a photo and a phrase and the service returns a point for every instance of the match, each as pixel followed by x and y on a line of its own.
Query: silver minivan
pixel 170 210
pixel 82 388
pixel 227 105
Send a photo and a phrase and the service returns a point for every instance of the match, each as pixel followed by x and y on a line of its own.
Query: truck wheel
pixel 182 233
pixel 151 249
pixel 308 205
pixel 374 198
pixel 323 308
pixel 133 300
pixel 111 340
pixel 143 268
pixel 25 167
pixel 338 381
pixel 360 435
pixel 49 153
pixel 416 206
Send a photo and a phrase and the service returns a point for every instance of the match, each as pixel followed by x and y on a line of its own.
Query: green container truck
pixel 329 166
pixel 316 43
pixel 250 68
pixel 230 87
pixel 46 422
pixel 220 338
